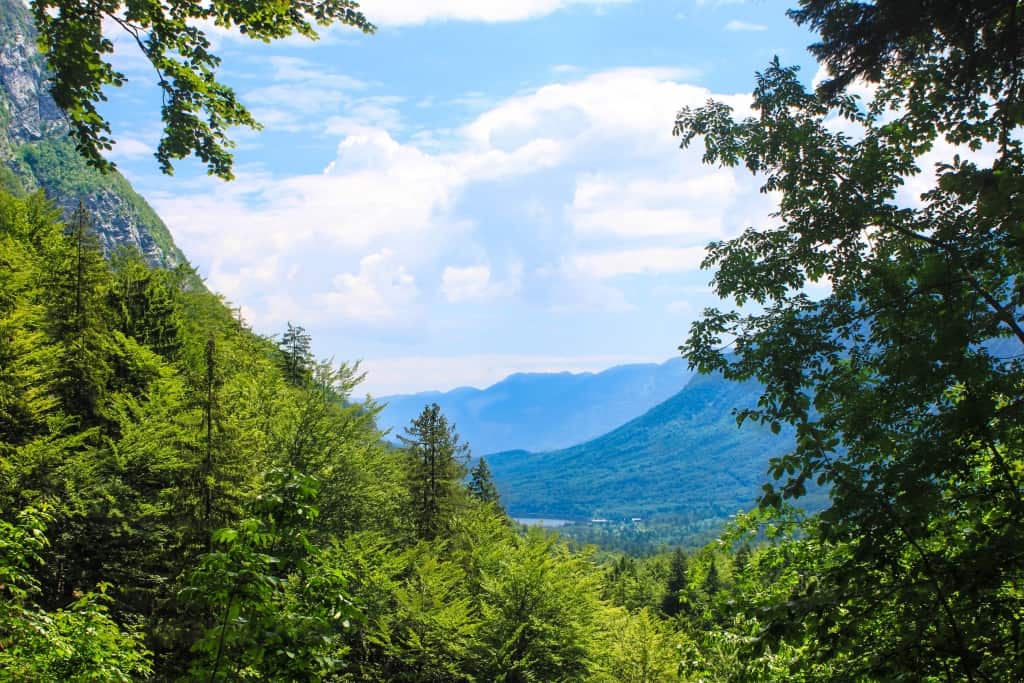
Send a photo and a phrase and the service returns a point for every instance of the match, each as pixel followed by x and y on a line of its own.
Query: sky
pixel 479 188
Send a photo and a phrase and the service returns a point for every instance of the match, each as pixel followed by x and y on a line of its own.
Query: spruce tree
pixel 78 279
pixel 145 303
pixel 437 463
pixel 481 485
pixel 741 560
pixel 673 601
pixel 296 356
pixel 712 581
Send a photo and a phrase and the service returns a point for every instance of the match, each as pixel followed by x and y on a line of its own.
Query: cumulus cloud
pixel 382 289
pixel 605 264
pixel 465 284
pixel 737 25
pixel 130 148
pixel 411 12
pixel 476 283
pixel 684 205
pixel 590 183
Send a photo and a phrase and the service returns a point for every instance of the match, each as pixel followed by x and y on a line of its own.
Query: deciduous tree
pixel 197 108
pixel 904 383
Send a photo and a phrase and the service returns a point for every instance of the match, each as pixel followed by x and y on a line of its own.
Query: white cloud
pixel 465 284
pixel 605 264
pixel 600 190
pixel 296 69
pixel 411 12
pixel 737 25
pixel 380 291
pixel 130 148
pixel 298 93
pixel 682 206
pixel 476 283
pixel 368 112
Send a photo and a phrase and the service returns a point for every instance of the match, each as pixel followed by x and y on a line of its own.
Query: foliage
pixel 197 108
pixel 78 643
pixel 676 587
pixel 437 463
pixel 903 384
pixel 643 649
pixel 684 458
pixel 296 357
pixel 481 485
pixel 238 524
pixel 541 611
pixel 277 611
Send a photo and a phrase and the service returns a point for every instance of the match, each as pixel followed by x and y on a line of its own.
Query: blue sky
pixel 479 188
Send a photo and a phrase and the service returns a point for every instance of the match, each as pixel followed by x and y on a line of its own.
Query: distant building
pixel 599 520
pixel 636 520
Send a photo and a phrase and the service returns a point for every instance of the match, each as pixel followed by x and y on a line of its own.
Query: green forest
pixel 184 499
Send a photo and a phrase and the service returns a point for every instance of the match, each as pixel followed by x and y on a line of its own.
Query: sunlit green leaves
pixel 894 379
pixel 198 110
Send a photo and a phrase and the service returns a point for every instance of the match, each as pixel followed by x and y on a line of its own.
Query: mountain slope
pixel 37 154
pixel 685 457
pixel 540 411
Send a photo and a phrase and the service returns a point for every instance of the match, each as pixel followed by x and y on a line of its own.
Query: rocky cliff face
pixel 30 113
pixel 37 154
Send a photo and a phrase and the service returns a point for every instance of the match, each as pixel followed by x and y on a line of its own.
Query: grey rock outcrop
pixel 39 155
pixel 30 113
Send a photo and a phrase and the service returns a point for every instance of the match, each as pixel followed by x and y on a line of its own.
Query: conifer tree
pixel 26 360
pixel 481 485
pixel 296 357
pixel 145 304
pixel 75 299
pixel 712 581
pixel 217 473
pixel 437 463
pixel 678 582
pixel 741 560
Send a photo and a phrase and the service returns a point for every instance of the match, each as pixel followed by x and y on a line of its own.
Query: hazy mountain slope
pixel 684 457
pixel 36 153
pixel 540 411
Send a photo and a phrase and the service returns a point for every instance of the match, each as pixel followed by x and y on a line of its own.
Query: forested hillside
pixel 36 152
pixel 183 499
pixel 686 458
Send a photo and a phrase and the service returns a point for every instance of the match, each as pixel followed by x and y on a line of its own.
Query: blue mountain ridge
pixel 686 458
pixel 544 411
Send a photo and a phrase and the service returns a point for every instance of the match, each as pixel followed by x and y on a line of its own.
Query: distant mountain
pixel 36 152
pixel 542 411
pixel 685 457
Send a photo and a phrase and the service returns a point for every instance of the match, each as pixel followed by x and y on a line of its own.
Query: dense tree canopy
pixel 185 500
pixel 905 382
pixel 197 108
pixel 181 499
